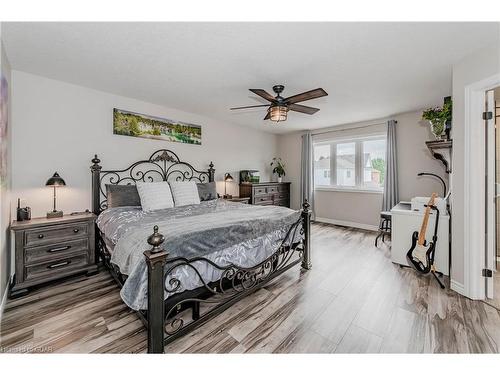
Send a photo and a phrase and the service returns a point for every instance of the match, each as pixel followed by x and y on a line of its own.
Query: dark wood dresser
pixel 50 249
pixel 266 193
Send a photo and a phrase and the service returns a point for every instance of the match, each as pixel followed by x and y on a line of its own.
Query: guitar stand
pixel 434 240
pixel 436 274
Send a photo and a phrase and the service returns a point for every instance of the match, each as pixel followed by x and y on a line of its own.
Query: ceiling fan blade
pixel 303 109
pixel 251 106
pixel 308 95
pixel 263 94
pixel 268 116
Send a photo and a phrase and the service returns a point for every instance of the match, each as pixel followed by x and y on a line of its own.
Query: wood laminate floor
pixel 354 300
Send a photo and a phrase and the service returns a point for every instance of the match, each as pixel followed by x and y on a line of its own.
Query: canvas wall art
pixel 144 126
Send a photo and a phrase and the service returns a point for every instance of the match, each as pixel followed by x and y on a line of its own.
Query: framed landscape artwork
pixel 144 126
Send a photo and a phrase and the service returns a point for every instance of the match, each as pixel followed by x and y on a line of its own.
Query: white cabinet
pixel 405 222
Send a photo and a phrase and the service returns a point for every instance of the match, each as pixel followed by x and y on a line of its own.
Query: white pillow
pixel 184 193
pixel 155 195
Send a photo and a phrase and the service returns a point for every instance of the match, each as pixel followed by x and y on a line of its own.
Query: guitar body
pixel 421 254
pixel 420 257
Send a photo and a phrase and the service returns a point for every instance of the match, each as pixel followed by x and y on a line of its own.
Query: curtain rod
pixel 350 128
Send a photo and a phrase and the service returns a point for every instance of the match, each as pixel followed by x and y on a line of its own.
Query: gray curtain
pixel 391 192
pixel 306 171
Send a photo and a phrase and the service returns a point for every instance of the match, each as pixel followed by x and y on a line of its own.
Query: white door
pixel 490 192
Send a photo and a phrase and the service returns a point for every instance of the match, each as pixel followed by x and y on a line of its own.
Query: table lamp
pixel 227 178
pixel 55 181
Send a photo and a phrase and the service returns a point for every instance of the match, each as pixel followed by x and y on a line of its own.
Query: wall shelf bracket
pixel 441 150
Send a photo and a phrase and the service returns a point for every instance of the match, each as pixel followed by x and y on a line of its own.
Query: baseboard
pixel 457 287
pixel 351 224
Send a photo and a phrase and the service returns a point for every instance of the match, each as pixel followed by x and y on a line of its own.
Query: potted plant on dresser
pixel 278 168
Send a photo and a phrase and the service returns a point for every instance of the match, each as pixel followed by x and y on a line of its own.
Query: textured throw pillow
pixel 207 191
pixel 122 195
pixel 184 193
pixel 155 195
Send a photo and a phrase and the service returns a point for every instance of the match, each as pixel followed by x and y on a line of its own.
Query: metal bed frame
pixel 161 318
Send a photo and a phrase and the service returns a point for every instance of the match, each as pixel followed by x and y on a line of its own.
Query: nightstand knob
pixel 40 236
pixel 76 230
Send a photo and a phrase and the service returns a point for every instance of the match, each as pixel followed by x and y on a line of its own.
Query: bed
pixel 199 258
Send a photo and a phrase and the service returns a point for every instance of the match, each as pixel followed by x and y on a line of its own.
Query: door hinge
pixel 487 273
pixel 487 115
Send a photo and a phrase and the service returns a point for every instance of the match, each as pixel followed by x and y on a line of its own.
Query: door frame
pixel 475 186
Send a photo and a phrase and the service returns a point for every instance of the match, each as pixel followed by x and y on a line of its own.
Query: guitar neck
pixel 425 221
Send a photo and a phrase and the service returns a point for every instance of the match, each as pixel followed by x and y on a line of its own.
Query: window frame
pixel 359 165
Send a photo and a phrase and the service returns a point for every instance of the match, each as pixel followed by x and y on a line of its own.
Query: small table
pixel 238 199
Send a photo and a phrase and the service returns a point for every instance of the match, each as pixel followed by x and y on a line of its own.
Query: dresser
pixel 267 193
pixel 50 249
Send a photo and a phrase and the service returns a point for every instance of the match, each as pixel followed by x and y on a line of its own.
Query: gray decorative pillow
pixel 207 191
pixel 122 195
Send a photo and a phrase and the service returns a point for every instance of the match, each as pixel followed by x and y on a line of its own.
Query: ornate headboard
pixel 162 165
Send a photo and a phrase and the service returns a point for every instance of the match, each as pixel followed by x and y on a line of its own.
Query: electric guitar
pixel 421 254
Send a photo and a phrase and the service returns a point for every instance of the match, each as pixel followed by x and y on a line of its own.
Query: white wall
pixel 60 126
pixel 5 185
pixel 480 65
pixel 364 208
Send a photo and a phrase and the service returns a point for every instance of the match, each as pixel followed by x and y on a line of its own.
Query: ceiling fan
pixel 280 106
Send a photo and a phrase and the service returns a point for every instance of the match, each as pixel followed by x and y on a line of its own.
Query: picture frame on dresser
pixel 49 249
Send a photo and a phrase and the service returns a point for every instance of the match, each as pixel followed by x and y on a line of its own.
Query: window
pixel 355 164
pixel 346 164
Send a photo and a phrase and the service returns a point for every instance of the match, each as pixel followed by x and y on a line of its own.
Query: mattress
pixel 221 231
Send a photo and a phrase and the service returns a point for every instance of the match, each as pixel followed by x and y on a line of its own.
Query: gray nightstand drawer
pixel 54 251
pixel 56 267
pixel 55 233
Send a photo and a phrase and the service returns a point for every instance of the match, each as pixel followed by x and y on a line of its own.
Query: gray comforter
pixel 218 230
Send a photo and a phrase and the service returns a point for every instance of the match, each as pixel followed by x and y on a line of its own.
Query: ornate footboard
pixel 234 284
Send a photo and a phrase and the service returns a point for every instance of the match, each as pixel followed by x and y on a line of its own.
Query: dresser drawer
pixel 281 195
pixel 259 190
pixel 55 233
pixel 263 199
pixel 272 189
pixel 284 188
pixel 281 202
pixel 56 267
pixel 52 252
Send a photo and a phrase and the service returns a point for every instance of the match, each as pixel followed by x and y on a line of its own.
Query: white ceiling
pixel 370 70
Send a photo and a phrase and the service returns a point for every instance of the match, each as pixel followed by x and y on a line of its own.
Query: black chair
pixel 385 226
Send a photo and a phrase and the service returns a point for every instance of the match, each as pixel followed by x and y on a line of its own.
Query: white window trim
pixel 359 167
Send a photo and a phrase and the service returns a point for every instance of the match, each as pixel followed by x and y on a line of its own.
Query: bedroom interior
pixel 176 198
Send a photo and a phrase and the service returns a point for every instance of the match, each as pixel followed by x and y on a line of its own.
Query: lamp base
pixel 54 214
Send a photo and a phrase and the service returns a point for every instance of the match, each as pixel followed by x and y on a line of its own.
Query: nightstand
pixel 238 199
pixel 50 249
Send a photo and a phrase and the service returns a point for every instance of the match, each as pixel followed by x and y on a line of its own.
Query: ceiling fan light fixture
pixel 278 113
